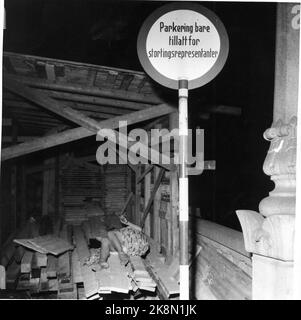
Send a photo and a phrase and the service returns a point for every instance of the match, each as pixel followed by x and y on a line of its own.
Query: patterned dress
pixel 134 242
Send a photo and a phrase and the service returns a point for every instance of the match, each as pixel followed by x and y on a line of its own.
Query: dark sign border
pixel 159 77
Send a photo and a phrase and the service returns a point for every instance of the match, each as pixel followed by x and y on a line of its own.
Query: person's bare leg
pixel 104 252
pixel 116 242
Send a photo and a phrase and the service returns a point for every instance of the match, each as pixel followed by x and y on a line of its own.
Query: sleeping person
pixel 127 241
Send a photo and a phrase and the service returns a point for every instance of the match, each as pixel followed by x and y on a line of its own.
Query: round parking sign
pixel 182 41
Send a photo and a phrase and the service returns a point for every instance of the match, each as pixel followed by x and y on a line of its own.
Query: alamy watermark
pixel 158 146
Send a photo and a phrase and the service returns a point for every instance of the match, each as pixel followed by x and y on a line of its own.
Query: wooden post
pixel 57 187
pixel 49 188
pixel 13 198
pixel 269 235
pixel 157 224
pixel 156 205
pixel 14 172
pixel 23 213
pixel 137 196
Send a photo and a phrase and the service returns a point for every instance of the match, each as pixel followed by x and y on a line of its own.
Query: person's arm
pixel 134 226
pixel 130 224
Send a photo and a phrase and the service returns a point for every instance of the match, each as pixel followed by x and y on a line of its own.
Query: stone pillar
pixel 269 234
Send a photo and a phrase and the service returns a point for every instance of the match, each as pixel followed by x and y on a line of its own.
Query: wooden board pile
pixel 77 213
pixel 98 282
pixel 165 275
pixel 116 190
pixel 141 276
pixel 78 184
pixel 42 272
pixel 68 276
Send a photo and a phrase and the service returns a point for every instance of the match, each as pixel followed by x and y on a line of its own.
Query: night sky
pixel 105 33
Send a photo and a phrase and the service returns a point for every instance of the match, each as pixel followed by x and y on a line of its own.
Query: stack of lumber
pixel 84 272
pixel 115 188
pixel 141 276
pixel 68 276
pixel 115 278
pixel 10 251
pixel 75 215
pixel 44 273
pixel 103 281
pixel 46 244
pixel 78 184
pixel 165 276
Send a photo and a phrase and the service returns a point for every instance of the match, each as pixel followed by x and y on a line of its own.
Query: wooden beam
pixel 91 91
pixel 129 198
pixel 147 194
pixel 31 109
pixel 61 109
pixel 146 171
pixel 80 133
pixel 152 197
pixel 43 100
pixel 137 196
pixel 19 138
pixel 98 101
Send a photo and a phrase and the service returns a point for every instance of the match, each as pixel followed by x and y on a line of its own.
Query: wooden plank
pixel 53 285
pixel 119 281
pixel 88 276
pixel 89 280
pixel 64 260
pixel 156 234
pixel 80 133
pixel 129 198
pixel 88 91
pixel 141 276
pixel 12 273
pixel 59 108
pixel 145 172
pixel 76 270
pixel 43 285
pixel 81 244
pixel 137 196
pixel 67 291
pixel 98 102
pixel 50 72
pixel 228 237
pixel 150 202
pixel 51 244
pixel 104 281
pixel 13 189
pixel 223 278
pixel 2 278
pixel 26 262
pixel 64 268
pixel 26 243
pixel 51 266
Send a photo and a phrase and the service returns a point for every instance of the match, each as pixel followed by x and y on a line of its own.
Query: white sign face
pixel 183 44
pixel 183 41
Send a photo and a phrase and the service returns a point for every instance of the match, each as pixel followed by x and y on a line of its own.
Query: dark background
pixel 105 33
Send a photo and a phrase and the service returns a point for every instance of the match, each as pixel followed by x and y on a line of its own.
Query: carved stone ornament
pixel 271 232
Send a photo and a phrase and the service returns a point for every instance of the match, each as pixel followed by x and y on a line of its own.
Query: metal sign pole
pixel 183 189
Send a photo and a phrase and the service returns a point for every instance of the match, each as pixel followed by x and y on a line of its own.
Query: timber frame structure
pixel 49 103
